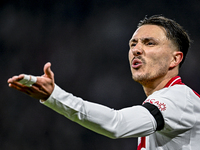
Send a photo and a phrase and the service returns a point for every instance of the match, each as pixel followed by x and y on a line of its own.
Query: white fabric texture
pixel 179 105
pixel 128 122
pixel 181 112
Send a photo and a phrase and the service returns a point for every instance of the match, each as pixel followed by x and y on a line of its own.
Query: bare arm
pixel 43 87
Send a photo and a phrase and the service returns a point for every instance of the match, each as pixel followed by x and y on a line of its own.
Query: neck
pixel 157 84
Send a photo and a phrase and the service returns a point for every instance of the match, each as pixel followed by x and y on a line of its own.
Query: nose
pixel 137 49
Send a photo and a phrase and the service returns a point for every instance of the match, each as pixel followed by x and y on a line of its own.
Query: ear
pixel 177 58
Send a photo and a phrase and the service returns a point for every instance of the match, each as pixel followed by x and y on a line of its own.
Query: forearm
pixel 133 121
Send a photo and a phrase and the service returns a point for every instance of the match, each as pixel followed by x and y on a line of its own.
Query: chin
pixel 139 78
pixel 142 78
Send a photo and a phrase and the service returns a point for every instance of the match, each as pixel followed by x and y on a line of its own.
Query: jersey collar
pixel 173 81
pixel 177 80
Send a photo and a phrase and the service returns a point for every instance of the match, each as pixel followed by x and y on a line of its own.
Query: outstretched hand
pixel 43 87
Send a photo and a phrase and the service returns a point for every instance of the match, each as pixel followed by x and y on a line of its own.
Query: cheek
pixel 130 56
pixel 159 62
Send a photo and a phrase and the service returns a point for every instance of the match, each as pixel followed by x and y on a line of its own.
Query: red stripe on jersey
pixel 173 81
pixel 196 93
pixel 142 143
pixel 177 80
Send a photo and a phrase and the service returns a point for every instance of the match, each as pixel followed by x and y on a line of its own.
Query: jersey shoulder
pixel 176 104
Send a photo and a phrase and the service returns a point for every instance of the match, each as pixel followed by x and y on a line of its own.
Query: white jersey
pixel 180 107
pixel 177 117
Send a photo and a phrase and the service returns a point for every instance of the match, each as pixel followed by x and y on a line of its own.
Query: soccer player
pixel 169 118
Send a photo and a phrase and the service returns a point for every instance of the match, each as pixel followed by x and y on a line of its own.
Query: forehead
pixel 146 31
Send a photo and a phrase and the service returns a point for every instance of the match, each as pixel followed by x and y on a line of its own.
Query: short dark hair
pixel 174 32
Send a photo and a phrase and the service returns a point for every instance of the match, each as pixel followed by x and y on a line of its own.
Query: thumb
pixel 47 70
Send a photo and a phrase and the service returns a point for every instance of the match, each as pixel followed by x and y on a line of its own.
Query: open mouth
pixel 136 63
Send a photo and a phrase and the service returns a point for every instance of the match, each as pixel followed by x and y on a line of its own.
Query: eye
pixel 150 43
pixel 133 44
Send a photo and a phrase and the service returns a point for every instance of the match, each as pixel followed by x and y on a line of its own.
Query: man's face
pixel 150 54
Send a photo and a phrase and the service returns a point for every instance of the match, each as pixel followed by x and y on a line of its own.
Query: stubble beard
pixel 142 79
pixel 149 77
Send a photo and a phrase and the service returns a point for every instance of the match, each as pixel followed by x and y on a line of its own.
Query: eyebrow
pixel 143 39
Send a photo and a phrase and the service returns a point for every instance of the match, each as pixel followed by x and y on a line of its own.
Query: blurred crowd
pixel 87 43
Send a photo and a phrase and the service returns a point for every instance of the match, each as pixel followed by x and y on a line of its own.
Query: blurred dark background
pixel 87 43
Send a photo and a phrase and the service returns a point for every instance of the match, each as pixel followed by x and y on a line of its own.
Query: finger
pixel 18 86
pixel 21 88
pixel 28 80
pixel 15 78
pixel 10 80
pixel 47 70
